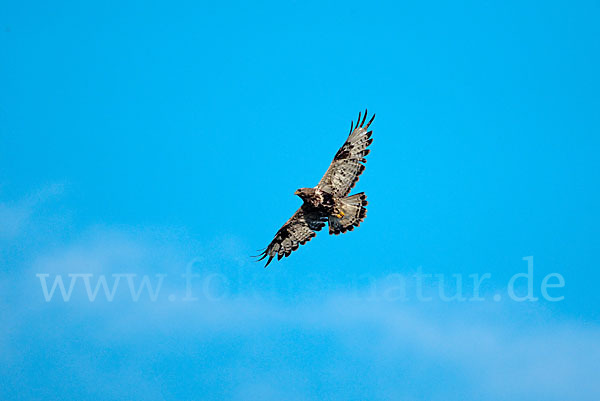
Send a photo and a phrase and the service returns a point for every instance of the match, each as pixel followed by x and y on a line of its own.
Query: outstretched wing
pixel 347 165
pixel 298 230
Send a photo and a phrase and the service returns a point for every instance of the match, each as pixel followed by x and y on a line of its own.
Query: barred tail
pixel 354 211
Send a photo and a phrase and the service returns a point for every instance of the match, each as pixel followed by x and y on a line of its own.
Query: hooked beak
pixel 297 192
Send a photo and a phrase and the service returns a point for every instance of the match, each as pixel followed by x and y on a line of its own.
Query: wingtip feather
pixel 370 121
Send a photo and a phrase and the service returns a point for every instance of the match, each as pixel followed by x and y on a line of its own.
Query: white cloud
pixel 373 347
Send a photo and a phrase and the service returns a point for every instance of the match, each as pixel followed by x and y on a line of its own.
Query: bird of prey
pixel 328 202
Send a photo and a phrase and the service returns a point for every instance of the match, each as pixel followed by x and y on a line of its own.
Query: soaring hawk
pixel 329 200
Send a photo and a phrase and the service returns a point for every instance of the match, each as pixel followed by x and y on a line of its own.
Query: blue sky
pixel 142 138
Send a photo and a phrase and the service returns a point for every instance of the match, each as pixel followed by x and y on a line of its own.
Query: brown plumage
pixel 328 201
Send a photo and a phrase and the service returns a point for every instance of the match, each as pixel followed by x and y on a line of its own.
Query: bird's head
pixel 304 193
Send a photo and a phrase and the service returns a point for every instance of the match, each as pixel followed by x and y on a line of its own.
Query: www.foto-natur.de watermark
pixel 213 286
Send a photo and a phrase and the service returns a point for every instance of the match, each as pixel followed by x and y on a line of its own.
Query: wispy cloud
pixel 342 344
pixel 15 216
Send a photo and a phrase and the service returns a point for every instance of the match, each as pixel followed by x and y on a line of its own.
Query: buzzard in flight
pixel 328 201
